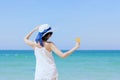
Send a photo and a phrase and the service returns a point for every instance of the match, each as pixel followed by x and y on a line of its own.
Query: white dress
pixel 45 65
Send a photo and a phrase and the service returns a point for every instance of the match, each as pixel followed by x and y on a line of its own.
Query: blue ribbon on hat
pixel 39 36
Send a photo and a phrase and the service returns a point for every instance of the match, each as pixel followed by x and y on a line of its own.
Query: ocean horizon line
pixel 60 49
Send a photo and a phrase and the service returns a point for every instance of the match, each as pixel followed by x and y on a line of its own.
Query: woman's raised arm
pixel 64 55
pixel 26 38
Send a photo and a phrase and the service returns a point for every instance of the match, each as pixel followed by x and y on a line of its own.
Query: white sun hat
pixel 43 29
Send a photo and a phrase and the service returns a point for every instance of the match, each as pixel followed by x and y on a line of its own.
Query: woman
pixel 45 65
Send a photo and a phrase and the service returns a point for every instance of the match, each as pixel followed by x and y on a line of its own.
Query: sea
pixel 81 65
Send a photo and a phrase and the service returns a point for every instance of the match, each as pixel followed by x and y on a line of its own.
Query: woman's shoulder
pixel 51 43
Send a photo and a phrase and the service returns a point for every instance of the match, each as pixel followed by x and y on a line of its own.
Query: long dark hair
pixel 46 36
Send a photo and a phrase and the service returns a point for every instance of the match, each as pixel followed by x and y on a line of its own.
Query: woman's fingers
pixel 36 28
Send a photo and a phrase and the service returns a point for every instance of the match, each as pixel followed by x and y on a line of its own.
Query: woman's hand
pixel 36 28
pixel 77 45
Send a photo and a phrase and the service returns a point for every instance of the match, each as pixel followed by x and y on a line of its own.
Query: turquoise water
pixel 81 65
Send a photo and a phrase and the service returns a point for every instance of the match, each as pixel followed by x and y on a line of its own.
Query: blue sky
pixel 96 22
